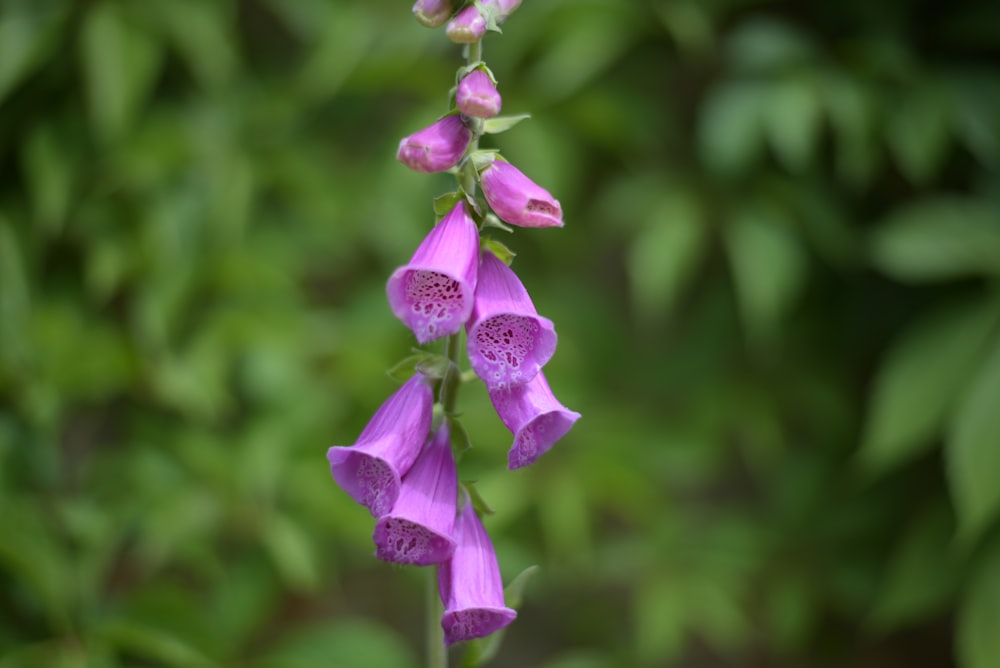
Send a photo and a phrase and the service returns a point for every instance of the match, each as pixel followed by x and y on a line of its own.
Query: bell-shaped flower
pixel 468 26
pixel 534 416
pixel 508 342
pixel 371 469
pixel 518 200
pixel 418 528
pixel 433 13
pixel 477 95
pixel 433 294
pixel 436 148
pixel 470 583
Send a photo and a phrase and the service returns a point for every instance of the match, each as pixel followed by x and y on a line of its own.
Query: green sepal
pixel 446 202
pixel 466 70
pixel 490 220
pixel 489 12
pixel 478 502
pixel 482 650
pixel 460 440
pixel 431 365
pixel 498 124
pixel 505 254
pixel 483 158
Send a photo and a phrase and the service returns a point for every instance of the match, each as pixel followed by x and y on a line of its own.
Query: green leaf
pixel 923 573
pixel 973 451
pixel 477 500
pixel 50 171
pixel 498 124
pixel 977 642
pixel 445 203
pixel 461 442
pixel 918 380
pixel 431 365
pixel 730 127
pixel 120 63
pixel 151 643
pixel 919 132
pixel 291 550
pixel 939 239
pixel 793 120
pixel 768 266
pixel 666 251
pixel 29 31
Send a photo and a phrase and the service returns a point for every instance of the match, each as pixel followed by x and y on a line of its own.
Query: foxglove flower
pixel 518 200
pixel 437 147
pixel 470 583
pixel 418 529
pixel 477 95
pixel 432 13
pixel 433 294
pixel 534 416
pixel 371 469
pixel 470 24
pixel 508 342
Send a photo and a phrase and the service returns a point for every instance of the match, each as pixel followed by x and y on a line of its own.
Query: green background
pixel 777 294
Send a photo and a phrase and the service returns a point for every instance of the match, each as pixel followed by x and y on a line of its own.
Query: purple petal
pixel 371 469
pixel 535 417
pixel 508 342
pixel 518 200
pixel 432 13
pixel 433 294
pixel 418 529
pixel 470 583
pixel 468 26
pixel 436 148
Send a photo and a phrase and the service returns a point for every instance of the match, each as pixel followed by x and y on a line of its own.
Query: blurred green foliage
pixel 778 294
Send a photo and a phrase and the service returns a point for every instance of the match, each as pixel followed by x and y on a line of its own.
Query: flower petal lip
pixel 518 200
pixel 438 147
pixel 477 96
pixel 470 584
pixel 418 529
pixel 508 342
pixel 370 471
pixel 535 417
pixel 433 294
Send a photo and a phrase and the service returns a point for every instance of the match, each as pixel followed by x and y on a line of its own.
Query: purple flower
pixel 370 471
pixel 432 13
pixel 534 416
pixel 437 147
pixel 470 583
pixel 477 95
pixel 518 200
pixel 418 529
pixel 433 294
pixel 508 342
pixel 467 27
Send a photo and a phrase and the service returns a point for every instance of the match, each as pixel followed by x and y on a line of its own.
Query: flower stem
pixel 437 654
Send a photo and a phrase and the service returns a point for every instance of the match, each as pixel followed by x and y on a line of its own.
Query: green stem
pixel 437 654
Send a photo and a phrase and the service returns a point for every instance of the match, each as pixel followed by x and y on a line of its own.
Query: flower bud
pixel 518 200
pixel 437 147
pixel 467 27
pixel 477 96
pixel 432 13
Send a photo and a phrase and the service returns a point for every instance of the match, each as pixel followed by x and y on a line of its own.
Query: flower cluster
pixel 402 467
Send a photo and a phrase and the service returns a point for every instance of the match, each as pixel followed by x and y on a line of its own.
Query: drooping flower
pixel 371 469
pixel 477 95
pixel 418 528
pixel 471 24
pixel 470 583
pixel 508 342
pixel 518 200
pixel 433 13
pixel 433 294
pixel 534 416
pixel 438 147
